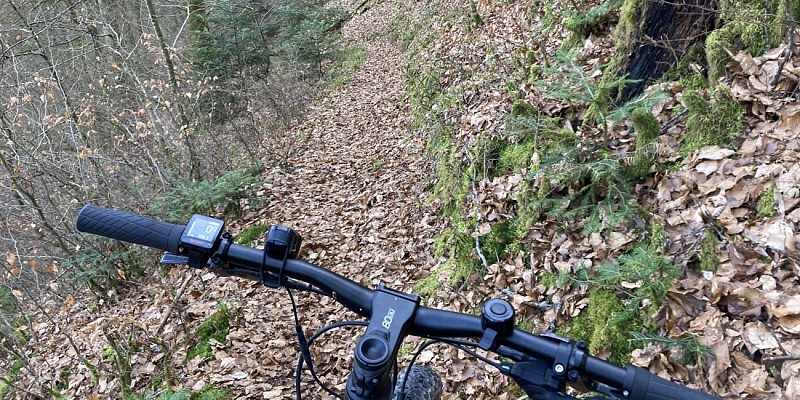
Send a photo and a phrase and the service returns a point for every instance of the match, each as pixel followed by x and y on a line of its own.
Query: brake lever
pixel 512 354
pixel 174 259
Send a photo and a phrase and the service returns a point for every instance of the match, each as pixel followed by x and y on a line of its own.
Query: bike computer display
pixel 199 237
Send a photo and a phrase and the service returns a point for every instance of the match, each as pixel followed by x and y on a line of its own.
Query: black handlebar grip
pixel 644 385
pixel 129 227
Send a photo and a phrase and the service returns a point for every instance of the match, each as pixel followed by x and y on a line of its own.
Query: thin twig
pixel 779 359
pixel 673 120
pixel 174 302
pixel 477 210
pixel 789 51
pixel 30 394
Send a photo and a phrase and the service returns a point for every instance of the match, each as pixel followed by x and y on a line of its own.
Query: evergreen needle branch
pixel 476 201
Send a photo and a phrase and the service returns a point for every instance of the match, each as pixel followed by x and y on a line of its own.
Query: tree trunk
pixel 654 35
pixel 186 132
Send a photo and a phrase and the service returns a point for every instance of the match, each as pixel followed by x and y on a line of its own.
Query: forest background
pixel 659 225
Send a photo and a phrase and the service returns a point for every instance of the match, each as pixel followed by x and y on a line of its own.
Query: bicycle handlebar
pixel 130 227
pixel 633 382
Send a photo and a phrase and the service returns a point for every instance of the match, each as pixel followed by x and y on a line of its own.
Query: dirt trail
pixel 355 192
pixel 356 195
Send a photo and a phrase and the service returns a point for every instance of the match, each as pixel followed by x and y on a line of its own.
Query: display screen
pixel 202 231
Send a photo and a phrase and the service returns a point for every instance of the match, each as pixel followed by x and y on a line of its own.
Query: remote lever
pixel 174 259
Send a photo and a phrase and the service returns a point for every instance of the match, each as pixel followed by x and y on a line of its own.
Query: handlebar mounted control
pixel 282 243
pixel 547 379
pixel 497 320
pixel 199 239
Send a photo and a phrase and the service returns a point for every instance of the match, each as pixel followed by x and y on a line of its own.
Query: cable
pixel 307 354
pixel 457 343
pixel 293 284
pixel 462 345
pixel 413 360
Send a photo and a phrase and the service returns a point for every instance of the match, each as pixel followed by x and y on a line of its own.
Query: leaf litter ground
pixel 357 194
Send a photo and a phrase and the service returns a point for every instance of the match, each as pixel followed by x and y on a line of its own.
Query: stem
pixel 174 302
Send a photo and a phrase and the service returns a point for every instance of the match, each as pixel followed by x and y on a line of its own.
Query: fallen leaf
pixel 713 153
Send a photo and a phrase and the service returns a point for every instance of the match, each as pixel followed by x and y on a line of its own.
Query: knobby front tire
pixel 423 384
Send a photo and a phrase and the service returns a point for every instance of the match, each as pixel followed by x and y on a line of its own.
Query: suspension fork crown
pixel 376 351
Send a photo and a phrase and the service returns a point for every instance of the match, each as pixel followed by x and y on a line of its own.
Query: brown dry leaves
pixel 748 312
pixel 375 224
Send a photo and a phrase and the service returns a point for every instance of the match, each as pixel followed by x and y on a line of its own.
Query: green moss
pixel 494 245
pixel 455 243
pixel 515 157
pixel 405 349
pixel 750 25
pixel 523 109
pixel 694 82
pixel 8 303
pixel 475 16
pixel 251 234
pixel 709 249
pixel 524 57
pixel 546 278
pixel 658 236
pixel 453 178
pixel 767 205
pixel 527 325
pixel 718 43
pixel 215 327
pixel 211 392
pixel 631 22
pixel 647 128
pixel 603 304
pixel 108 353
pixel 694 54
pixel 684 70
pixel 715 122
pixel 405 27
pixel 584 22
pixel 451 272
pixel 342 73
pixel 594 326
pixel 577 328
pixel 16 367
pixel 425 93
